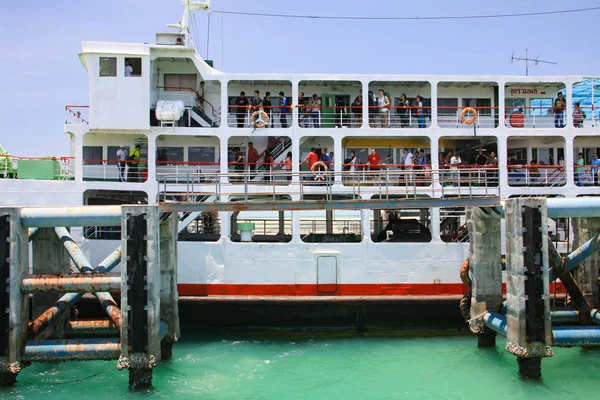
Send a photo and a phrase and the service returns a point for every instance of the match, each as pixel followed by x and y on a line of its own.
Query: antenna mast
pixel 189 7
pixel 535 60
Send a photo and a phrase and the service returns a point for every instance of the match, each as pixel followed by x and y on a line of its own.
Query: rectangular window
pixel 108 66
pixel 133 66
pixel 177 82
pixel 515 106
pixel 111 155
pixel 540 106
pixel 169 154
pixel 447 107
pixel 92 155
pixel 483 106
pixel 201 154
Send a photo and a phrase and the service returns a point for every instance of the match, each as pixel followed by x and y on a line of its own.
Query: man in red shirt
pixel 252 157
pixel 312 158
pixel 374 161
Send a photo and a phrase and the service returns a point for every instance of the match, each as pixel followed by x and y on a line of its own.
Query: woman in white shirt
pixel 384 107
pixel 454 162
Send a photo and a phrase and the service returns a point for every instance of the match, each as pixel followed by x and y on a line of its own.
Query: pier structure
pixel 532 263
pixel 138 332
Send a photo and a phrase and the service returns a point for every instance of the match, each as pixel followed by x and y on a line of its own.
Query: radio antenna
pixel 535 61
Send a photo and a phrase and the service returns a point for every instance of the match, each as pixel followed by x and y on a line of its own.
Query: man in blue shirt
pixel 285 109
pixel 596 164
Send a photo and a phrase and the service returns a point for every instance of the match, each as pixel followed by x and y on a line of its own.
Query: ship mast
pixel 189 8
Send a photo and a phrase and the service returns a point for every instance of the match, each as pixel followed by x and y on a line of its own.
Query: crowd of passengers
pixel 350 115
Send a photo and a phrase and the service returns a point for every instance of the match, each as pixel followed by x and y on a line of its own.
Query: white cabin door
pixel 327 272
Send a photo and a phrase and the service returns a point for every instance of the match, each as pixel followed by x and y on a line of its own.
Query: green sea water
pixel 336 368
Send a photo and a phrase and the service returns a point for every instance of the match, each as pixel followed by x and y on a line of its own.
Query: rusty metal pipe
pixel 32 233
pixel 44 324
pixel 49 217
pixel 110 262
pixel 64 350
pixel 80 260
pixel 91 327
pixel 80 283
pixel 111 308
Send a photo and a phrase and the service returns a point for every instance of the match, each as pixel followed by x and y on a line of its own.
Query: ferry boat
pixel 481 136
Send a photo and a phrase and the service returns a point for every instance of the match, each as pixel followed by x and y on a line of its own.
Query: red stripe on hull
pixel 388 289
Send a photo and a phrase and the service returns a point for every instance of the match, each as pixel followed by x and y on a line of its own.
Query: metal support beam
pixel 14 264
pixel 48 217
pixel 79 283
pixel 75 253
pixel 65 350
pixel 44 324
pixel 140 294
pixel 81 328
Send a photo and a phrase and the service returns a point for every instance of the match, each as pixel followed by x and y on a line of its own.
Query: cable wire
pixel 440 17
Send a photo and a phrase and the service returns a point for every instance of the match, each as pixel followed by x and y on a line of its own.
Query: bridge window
pixel 133 66
pixel 407 225
pixel 108 66
pixel 453 225
pixel 169 154
pixel 175 82
pixel 205 228
pixel 202 155
pixel 339 226
pixel 92 155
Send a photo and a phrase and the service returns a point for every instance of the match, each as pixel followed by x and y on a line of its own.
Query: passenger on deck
pixel 268 105
pixel 287 165
pixel 455 161
pixel 403 110
pixel 312 157
pixel 285 109
pixel 492 164
pixel 419 109
pixel 134 160
pixel 256 103
pixel 373 110
pixel 374 163
pixel 559 110
pixel 422 165
pixel 252 158
pixel 315 110
pixel 579 170
pixel 241 104
pixel 357 111
pixel 384 108
pixel 239 165
pixel 596 171
pixel 578 116
pixel 121 162
pixel 200 99
pixel 303 117
pixel 340 111
pixel 268 166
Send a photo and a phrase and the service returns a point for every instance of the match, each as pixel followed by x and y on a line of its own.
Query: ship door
pixel 327 112
pixel 327 272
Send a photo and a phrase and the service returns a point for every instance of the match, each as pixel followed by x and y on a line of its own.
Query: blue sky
pixel 41 72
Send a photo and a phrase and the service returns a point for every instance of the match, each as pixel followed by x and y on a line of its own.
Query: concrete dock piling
pixel 134 330
pixel 532 262
pixel 485 268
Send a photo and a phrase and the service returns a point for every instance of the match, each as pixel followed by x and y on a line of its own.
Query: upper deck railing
pixel 77 115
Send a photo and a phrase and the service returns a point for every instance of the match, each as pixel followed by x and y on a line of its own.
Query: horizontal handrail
pixel 190 90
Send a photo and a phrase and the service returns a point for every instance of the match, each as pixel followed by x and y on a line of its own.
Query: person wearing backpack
pixel 134 160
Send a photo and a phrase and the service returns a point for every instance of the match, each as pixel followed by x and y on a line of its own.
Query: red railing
pixel 76 114
pixel 183 89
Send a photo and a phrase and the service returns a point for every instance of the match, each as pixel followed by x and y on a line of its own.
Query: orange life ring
pixel 517 120
pixel 265 119
pixel 464 119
